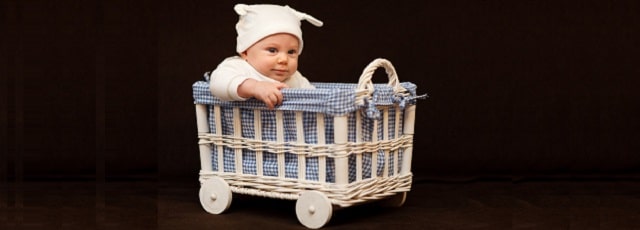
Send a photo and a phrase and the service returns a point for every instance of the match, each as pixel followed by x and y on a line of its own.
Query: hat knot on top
pixel 259 21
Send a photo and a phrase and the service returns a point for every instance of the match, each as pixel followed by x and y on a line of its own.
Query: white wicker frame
pixel 342 193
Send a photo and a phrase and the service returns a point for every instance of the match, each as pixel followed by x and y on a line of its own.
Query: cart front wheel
pixel 313 209
pixel 215 195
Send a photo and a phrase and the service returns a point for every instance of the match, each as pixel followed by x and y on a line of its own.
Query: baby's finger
pixel 282 85
pixel 269 103
pixel 279 98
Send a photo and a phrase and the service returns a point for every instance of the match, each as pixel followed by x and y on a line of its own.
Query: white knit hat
pixel 259 21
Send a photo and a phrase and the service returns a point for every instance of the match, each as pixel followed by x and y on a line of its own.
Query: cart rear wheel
pixel 215 195
pixel 313 209
pixel 395 201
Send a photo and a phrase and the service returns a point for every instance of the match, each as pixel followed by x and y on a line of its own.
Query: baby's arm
pixel 268 92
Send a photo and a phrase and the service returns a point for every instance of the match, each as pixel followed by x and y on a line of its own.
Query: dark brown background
pixel 518 89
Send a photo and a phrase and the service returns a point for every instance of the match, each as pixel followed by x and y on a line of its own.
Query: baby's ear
pixel 243 55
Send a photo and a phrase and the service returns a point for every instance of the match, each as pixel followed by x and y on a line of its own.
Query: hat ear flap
pixel 303 16
pixel 241 9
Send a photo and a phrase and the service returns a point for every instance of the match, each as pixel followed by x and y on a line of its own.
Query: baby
pixel 269 42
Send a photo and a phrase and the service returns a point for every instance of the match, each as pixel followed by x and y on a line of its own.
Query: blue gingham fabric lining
pixel 332 99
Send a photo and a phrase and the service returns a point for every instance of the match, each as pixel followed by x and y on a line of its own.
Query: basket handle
pixel 365 83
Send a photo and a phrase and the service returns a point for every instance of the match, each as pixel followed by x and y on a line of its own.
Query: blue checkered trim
pixel 332 99
pixel 329 98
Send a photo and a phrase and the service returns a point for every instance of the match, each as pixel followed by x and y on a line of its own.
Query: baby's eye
pixel 272 50
pixel 292 52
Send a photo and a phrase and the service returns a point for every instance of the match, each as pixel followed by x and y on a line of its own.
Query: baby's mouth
pixel 280 71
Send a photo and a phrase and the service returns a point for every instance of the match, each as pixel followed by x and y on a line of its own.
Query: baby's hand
pixel 267 92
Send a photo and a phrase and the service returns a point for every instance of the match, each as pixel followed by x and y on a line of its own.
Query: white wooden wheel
pixel 395 201
pixel 313 209
pixel 215 195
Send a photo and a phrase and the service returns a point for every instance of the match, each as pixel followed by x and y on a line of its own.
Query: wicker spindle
pixel 322 160
pixel 203 128
pixel 257 125
pixel 280 140
pixel 341 134
pixel 358 140
pixel 302 168
pixel 409 121
pixel 374 153
pixel 385 136
pixel 237 133
pixel 220 148
pixel 396 167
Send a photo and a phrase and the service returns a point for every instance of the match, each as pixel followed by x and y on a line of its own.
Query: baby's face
pixel 275 56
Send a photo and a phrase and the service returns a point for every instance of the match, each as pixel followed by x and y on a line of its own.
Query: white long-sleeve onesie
pixel 231 72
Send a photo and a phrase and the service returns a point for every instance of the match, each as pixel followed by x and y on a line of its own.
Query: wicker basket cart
pixel 335 146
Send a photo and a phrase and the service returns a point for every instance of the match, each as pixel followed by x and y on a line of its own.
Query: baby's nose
pixel 283 58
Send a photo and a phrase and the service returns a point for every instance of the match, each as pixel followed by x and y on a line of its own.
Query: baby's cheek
pixel 293 67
